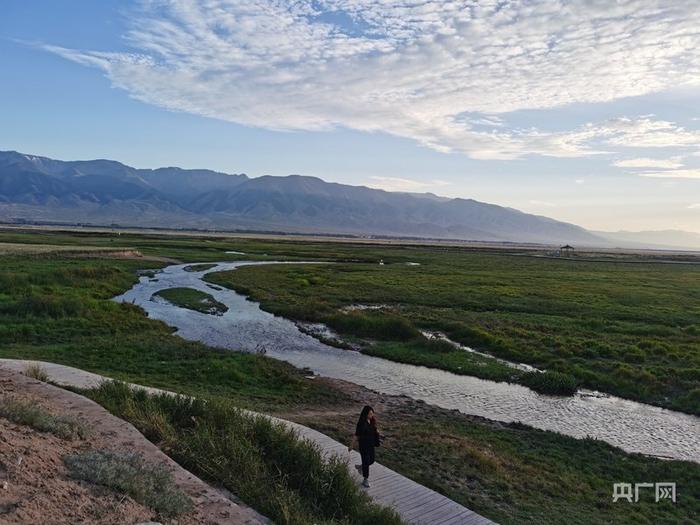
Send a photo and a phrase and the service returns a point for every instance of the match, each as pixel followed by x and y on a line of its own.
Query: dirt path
pixel 34 483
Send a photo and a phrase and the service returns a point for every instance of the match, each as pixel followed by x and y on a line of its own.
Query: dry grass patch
pixel 36 371
pixel 128 473
pixel 27 413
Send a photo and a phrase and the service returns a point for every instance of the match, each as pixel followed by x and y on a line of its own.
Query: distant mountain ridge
pixel 107 191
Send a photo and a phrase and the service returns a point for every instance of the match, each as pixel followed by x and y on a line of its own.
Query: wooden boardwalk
pixel 417 505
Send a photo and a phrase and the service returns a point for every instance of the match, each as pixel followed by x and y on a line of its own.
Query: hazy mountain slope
pixel 315 204
pixel 104 191
pixel 184 185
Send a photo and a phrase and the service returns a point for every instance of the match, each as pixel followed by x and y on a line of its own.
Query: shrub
pixel 129 473
pixel 375 326
pixel 43 305
pixel 36 371
pixel 25 413
pixel 550 382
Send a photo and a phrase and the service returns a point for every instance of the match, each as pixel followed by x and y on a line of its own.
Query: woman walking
pixel 367 436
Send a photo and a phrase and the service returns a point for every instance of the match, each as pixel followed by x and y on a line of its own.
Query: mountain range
pixel 107 192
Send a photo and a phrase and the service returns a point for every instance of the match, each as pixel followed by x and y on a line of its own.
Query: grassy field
pixel 56 308
pixel 59 310
pixel 625 328
pixel 628 328
pixel 193 300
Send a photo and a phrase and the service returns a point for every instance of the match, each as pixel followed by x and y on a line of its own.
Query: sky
pixel 584 111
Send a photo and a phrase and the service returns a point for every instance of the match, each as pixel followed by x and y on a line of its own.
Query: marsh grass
pixel 32 415
pixel 193 300
pixel 548 382
pixel 199 267
pixel 120 341
pixel 261 461
pixel 629 329
pixel 381 326
pixel 129 473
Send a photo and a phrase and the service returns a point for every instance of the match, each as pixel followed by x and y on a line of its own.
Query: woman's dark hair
pixel 364 414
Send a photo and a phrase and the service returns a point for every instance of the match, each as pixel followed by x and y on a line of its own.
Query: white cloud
pixel 645 162
pixel 695 206
pixel 672 174
pixel 411 68
pixel 405 185
pixel 580 181
pixel 646 132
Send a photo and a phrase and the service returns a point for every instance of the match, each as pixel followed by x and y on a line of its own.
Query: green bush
pixel 45 305
pixel 550 382
pixel 375 326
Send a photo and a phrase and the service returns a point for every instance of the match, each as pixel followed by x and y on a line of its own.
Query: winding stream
pixel 633 426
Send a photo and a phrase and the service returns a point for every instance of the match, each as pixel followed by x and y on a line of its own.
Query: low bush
pixel 128 473
pixel 36 371
pixel 550 382
pixel 26 413
pixel 374 326
pixel 45 305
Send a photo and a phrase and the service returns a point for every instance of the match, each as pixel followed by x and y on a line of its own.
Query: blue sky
pixel 586 113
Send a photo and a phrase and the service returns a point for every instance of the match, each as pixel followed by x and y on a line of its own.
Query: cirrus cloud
pixel 672 174
pixel 645 162
pixel 410 68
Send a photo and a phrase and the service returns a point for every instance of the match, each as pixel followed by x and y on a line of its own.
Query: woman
pixel 368 437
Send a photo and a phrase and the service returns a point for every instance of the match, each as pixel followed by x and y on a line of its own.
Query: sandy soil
pixel 35 486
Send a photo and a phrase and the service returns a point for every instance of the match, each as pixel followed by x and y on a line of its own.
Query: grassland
pixel 59 309
pixel 629 329
pixel 193 300
pixel 56 308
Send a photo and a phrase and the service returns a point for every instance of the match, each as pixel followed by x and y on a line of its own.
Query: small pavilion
pixel 566 250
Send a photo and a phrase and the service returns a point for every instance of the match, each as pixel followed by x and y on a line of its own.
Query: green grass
pixel 510 473
pixel 128 473
pixel 193 300
pixel 59 310
pixel 630 329
pixel 264 463
pixel 29 414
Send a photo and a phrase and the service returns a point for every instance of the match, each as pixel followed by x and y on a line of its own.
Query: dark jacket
pixel 367 435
